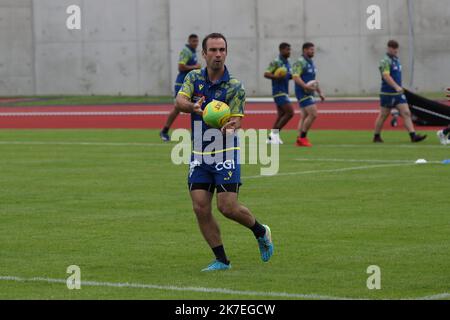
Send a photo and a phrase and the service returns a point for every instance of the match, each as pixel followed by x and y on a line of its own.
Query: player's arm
pixel 269 74
pixel 299 81
pixel 185 56
pixel 385 68
pixel 184 104
pixel 185 68
pixel 320 92
pixel 233 124
pixel 387 77
pixel 236 104
pixel 297 71
pixel 183 101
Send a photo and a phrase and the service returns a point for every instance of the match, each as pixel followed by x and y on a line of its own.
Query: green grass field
pixel 111 202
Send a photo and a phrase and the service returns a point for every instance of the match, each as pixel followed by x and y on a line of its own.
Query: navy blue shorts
pixel 281 100
pixel 226 172
pixel 306 101
pixel 391 101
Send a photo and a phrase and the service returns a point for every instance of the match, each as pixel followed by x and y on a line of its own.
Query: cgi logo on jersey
pixel 227 165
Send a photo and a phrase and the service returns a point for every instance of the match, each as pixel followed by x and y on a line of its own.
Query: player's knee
pixel 201 210
pixel 313 114
pixel 383 116
pixel 227 209
pixel 289 113
pixel 406 114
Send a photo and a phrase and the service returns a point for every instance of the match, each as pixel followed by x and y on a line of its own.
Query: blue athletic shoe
pixel 164 136
pixel 265 245
pixel 217 265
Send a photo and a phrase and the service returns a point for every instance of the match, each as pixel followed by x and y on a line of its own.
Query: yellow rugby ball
pixel 281 72
pixel 216 114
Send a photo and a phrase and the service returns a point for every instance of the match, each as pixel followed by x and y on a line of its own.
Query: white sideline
pixel 175 288
pixel 362 160
pixel 329 99
pixel 329 170
pixel 381 146
pixel 205 290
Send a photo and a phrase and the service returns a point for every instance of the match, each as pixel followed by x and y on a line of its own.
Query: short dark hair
pixel 284 45
pixel 307 45
pixel 393 44
pixel 213 35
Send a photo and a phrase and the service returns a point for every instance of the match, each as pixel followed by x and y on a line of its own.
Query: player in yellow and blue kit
pixel 187 62
pixel 222 173
pixel 280 91
pixel 304 71
pixel 391 95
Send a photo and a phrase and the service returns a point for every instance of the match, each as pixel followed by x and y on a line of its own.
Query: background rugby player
pixel 304 71
pixel 187 62
pixel 280 91
pixel 391 95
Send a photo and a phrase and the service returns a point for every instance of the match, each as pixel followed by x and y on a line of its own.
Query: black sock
pixel 412 135
pixel 165 130
pixel 219 252
pixel 258 230
pixel 303 134
pixel 446 131
pixel 377 135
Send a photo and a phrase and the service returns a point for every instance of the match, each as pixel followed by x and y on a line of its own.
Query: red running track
pixel 343 115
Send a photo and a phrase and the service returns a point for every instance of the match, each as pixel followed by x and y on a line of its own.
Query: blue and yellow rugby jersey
pixel 306 70
pixel 390 65
pixel 228 89
pixel 188 56
pixel 280 87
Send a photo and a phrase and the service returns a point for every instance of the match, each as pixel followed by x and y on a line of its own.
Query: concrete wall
pixel 121 48
pixel 16 48
pixel 131 46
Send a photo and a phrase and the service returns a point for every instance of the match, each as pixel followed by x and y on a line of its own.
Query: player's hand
pixel 309 88
pixel 229 127
pixel 198 66
pixel 322 97
pixel 197 108
pixel 399 89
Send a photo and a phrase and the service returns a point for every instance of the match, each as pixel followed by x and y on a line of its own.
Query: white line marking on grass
pixel 329 170
pixel 439 296
pixel 82 143
pixel 362 160
pixel 373 146
pixel 176 288
pixel 203 289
